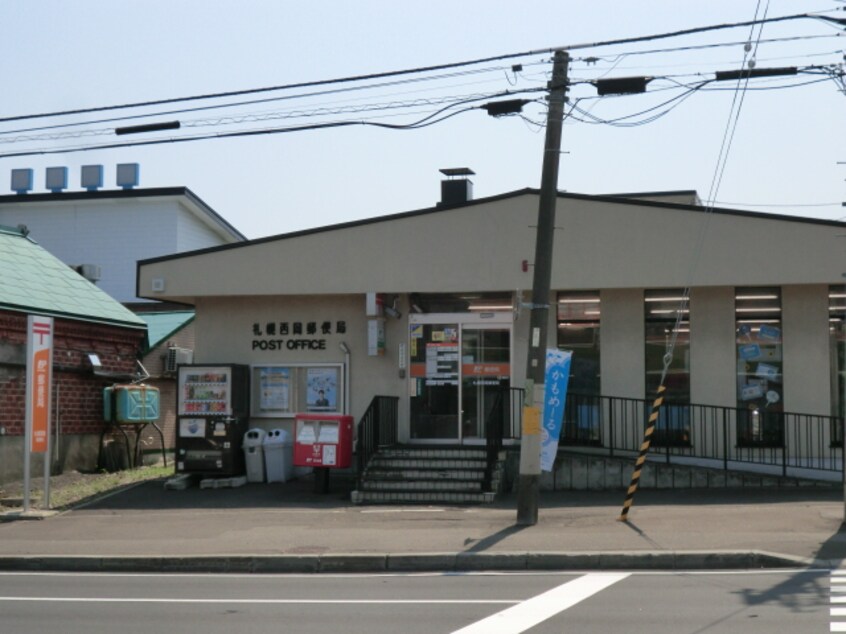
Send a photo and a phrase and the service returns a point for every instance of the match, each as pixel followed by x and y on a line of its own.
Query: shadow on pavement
pixel 152 495
pixel 807 590
pixel 680 497
pixel 491 540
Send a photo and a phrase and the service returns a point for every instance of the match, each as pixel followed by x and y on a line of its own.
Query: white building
pixel 105 232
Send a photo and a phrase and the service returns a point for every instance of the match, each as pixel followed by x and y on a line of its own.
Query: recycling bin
pixel 278 455
pixel 254 454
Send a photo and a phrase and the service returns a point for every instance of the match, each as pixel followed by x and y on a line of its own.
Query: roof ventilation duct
pixel 127 175
pixel 22 180
pixel 457 188
pixel 91 177
pixel 56 178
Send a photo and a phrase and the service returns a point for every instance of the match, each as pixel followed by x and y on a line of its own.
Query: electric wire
pixel 776 205
pixel 277 115
pixel 163 113
pixel 695 47
pixel 430 119
pixel 716 180
pixel 420 69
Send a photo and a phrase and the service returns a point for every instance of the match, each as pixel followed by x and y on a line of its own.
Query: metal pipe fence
pixel 785 443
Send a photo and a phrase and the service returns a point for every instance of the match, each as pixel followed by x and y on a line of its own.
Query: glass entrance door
pixel 485 379
pixel 460 376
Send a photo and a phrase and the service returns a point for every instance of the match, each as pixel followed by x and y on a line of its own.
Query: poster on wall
pixel 275 390
pixel 322 386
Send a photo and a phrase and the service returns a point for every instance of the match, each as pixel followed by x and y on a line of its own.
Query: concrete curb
pixel 412 562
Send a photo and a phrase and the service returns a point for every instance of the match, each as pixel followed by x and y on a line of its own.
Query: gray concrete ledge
pixel 416 562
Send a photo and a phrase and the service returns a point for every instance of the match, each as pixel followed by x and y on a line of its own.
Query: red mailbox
pixel 323 440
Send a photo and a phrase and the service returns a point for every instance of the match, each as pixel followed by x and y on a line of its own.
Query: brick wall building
pixel 88 324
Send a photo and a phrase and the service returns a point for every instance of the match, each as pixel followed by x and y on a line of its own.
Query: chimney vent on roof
pixel 91 177
pixel 457 188
pixel 127 175
pixel 56 178
pixel 21 180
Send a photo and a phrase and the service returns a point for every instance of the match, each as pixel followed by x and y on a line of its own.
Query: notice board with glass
pixel 283 390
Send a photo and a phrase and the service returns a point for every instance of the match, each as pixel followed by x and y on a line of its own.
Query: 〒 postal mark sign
pixel 39 364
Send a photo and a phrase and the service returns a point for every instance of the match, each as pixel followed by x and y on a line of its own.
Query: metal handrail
pixel 377 428
pixel 707 435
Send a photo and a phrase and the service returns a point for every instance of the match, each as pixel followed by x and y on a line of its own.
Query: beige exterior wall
pixel 807 388
pixel 617 247
pixel 713 366
pixel 480 247
pixel 224 328
pixel 622 352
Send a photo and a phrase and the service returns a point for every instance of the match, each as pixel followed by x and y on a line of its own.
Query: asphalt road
pixel 657 603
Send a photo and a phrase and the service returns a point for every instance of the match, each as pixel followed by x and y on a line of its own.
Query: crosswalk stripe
pixel 529 613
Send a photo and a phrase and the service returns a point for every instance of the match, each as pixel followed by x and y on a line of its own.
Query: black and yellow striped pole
pixel 644 449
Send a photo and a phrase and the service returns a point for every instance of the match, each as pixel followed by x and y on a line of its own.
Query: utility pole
pixel 528 484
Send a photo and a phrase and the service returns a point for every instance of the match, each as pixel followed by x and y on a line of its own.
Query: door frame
pixel 474 320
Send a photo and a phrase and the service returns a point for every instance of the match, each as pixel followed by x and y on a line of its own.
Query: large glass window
pixel 578 331
pixel 667 323
pixel 760 420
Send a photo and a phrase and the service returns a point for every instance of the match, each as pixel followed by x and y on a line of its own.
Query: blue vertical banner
pixel 554 397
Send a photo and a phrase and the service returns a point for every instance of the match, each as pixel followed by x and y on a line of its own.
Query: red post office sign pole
pixel 39 383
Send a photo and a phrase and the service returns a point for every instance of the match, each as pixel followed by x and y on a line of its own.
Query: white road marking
pixel 262 601
pixel 837 594
pixel 527 614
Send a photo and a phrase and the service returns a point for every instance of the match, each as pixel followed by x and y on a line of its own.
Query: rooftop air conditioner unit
pixel 176 357
pixel 90 272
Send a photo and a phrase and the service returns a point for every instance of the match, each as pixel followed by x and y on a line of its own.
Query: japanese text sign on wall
pixel 39 364
pixel 294 335
pixel 554 396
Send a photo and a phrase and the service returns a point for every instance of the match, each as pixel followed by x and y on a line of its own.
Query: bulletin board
pixel 283 390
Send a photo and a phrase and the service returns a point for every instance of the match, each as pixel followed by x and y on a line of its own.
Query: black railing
pixel 377 428
pixel 725 437
pixel 495 422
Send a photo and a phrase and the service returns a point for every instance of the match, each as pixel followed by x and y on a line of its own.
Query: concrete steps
pixel 427 475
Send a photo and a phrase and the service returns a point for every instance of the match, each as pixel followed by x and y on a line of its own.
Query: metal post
pixel 529 479
pixel 725 440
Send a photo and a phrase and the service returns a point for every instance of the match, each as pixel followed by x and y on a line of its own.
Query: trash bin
pixel 254 454
pixel 278 455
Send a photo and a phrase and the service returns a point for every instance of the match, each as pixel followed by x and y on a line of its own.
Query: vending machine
pixel 212 406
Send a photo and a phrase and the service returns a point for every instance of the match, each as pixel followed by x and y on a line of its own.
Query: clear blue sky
pixel 61 55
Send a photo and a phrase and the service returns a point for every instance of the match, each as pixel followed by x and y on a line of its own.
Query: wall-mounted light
pixel 94 360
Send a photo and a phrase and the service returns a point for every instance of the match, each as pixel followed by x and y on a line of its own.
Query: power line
pixel 774 205
pixel 694 47
pixel 417 70
pixel 431 119
pixel 248 102
pixel 289 114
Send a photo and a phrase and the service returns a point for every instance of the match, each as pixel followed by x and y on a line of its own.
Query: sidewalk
pixel 288 528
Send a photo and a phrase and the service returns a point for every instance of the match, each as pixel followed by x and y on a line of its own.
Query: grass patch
pixel 70 489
